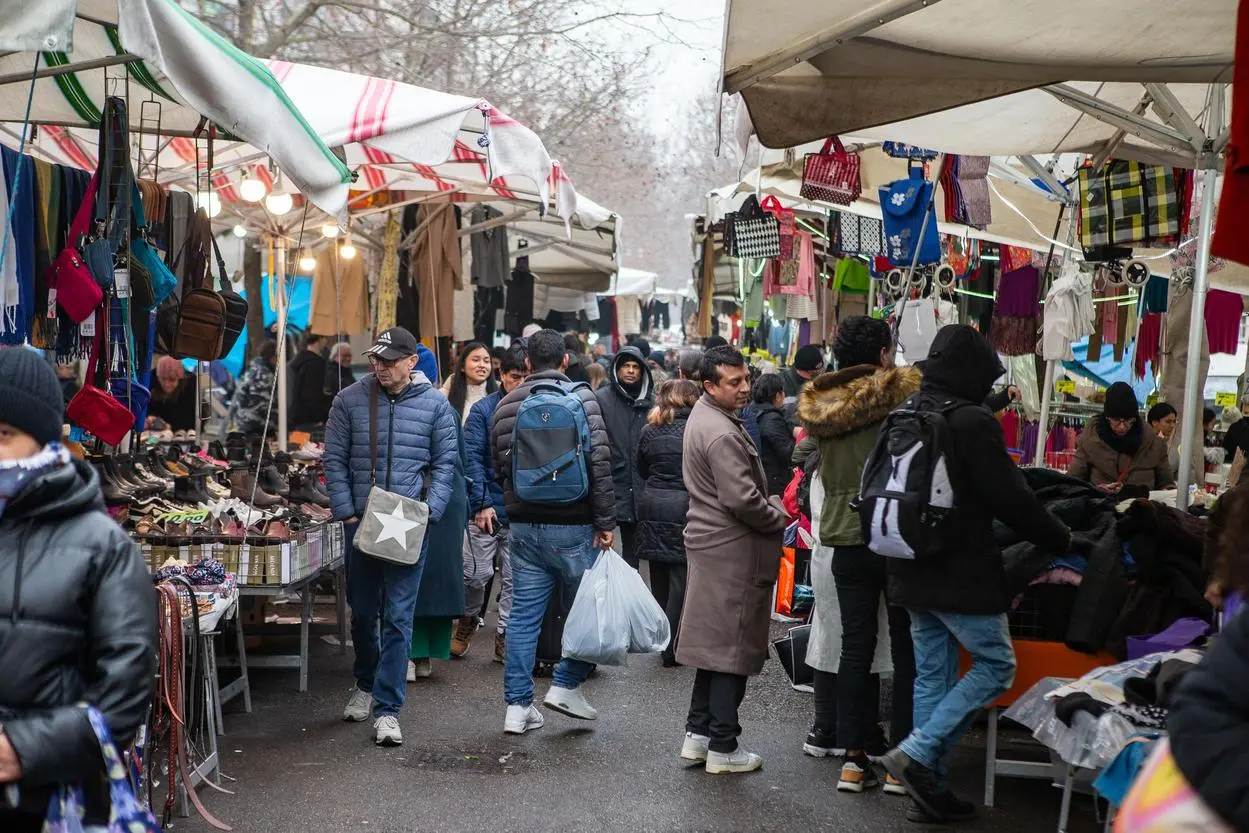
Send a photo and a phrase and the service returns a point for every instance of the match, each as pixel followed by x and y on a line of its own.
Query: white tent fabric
pixel 32 26
pixel 632 282
pixel 158 52
pixel 812 70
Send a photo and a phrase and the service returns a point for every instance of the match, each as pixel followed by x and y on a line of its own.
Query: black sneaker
pixel 822 744
pixel 956 809
pixel 920 782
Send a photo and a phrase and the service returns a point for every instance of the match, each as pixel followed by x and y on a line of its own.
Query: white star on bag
pixel 395 524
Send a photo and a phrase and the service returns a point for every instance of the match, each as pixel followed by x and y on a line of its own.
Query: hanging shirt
pixel 1223 312
pixel 340 295
pixel 489 249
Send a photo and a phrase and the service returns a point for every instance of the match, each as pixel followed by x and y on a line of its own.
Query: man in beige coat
pixel 733 547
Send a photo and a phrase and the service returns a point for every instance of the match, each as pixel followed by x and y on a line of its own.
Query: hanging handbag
pixel 113 196
pixel 126 815
pixel 77 292
pixel 93 408
pixel 858 235
pixel 899 150
pixel 904 207
pixel 235 306
pixel 392 526
pixel 194 327
pixel 785 217
pixel 756 233
pixel 832 175
pixel 1128 203
pixel 157 282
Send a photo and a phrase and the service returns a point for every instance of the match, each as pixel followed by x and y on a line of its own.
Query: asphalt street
pixel 298 767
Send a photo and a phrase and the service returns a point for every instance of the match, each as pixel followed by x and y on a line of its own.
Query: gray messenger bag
pixel 392 527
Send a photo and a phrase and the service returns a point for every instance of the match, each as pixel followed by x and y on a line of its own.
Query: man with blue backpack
pixel 554 459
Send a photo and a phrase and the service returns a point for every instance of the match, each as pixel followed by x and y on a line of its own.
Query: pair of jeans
pixel 481 548
pixel 945 705
pixel 713 708
pixel 668 588
pixel 543 555
pixel 382 595
pixel 861 579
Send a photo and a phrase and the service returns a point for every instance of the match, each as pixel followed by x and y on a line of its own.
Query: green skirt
pixel 431 638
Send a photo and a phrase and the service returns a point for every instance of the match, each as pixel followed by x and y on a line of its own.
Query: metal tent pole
pixel 279 278
pixel 1190 417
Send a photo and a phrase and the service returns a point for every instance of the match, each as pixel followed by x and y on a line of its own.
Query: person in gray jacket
pixel 417 441
pixel 626 401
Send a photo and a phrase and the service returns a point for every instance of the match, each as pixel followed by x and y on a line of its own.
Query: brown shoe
pixel 500 645
pixel 465 627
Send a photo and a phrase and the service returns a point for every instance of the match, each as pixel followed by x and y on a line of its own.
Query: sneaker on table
pixel 822 745
pixel 739 760
pixel 695 748
pixel 857 775
pixel 360 707
pixel 569 701
pixel 387 729
pixel 521 719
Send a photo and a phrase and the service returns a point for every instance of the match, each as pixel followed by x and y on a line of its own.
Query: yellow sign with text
pixel 1065 386
pixel 1225 400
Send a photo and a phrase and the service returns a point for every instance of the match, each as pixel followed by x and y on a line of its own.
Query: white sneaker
pixel 359 707
pixel 521 719
pixel 387 728
pixel 569 701
pixel 420 669
pixel 737 761
pixel 411 671
pixel 695 747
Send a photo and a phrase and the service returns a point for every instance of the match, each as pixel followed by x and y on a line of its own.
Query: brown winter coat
pixel 732 545
pixel 1099 464
pixel 844 410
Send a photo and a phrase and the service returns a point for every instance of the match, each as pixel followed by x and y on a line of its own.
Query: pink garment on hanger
pixel 1223 311
pixel 805 285
pixel 1147 343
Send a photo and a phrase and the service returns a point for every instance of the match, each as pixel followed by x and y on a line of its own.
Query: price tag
pixel 1065 386
pixel 52 303
pixel 1225 400
pixel 87 328
pixel 121 282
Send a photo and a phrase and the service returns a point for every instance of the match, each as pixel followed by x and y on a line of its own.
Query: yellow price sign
pixel 1225 400
pixel 1065 386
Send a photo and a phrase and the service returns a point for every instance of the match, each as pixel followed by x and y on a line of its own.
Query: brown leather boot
pixel 241 483
pixel 465 627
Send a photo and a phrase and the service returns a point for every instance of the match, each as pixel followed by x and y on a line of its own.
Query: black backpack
pixel 906 497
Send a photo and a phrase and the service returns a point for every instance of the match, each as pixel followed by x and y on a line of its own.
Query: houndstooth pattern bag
pixel 857 235
pixel 752 232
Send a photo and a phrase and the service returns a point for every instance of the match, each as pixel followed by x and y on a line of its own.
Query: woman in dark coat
pixel 663 501
pixel 440 600
pixel 777 437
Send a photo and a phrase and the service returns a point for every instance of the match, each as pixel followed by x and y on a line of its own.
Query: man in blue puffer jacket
pixel 489 534
pixel 417 437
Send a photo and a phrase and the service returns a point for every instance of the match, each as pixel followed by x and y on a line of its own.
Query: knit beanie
pixel 427 363
pixel 30 395
pixel 1121 402
pixel 809 358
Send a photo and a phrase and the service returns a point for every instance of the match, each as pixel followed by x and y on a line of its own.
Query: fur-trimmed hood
pixel 836 403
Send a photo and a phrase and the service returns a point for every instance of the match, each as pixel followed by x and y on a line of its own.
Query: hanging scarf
pixel 16 474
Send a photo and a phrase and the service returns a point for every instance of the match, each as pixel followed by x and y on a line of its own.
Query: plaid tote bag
pixel 1128 203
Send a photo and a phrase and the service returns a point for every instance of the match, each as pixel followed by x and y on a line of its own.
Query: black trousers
pixel 628 544
pixel 825 685
pixel 860 575
pixel 668 588
pixel 713 708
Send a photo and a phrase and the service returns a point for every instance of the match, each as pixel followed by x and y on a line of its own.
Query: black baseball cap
pixel 392 344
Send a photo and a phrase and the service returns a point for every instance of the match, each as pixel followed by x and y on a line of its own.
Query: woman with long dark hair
pixel 664 501
pixel 473 379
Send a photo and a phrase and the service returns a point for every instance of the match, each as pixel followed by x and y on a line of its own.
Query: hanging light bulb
pixel 239 231
pixel 209 202
pixel 307 263
pixel 348 251
pixel 252 189
pixel 329 231
pixel 279 204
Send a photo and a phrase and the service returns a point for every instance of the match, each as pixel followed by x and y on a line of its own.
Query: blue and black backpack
pixel 551 445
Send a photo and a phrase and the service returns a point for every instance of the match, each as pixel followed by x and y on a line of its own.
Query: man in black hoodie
pixel 626 400
pixel 309 407
pixel 959 596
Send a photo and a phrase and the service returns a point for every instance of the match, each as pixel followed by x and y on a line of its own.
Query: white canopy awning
pixel 632 282
pixel 176 73
pixel 838 67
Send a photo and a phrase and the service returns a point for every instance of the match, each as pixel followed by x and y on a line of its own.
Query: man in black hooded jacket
pixel 625 400
pixel 960 596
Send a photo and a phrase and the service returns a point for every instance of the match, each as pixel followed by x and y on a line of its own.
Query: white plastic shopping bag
pixel 613 615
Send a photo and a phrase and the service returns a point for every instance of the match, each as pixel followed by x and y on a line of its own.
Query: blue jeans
pixel 543 555
pixel 381 594
pixel 945 705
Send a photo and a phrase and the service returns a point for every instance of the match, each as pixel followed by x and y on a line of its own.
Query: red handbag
pixel 94 409
pixel 790 498
pixel 77 291
pixel 832 175
pixel 785 216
